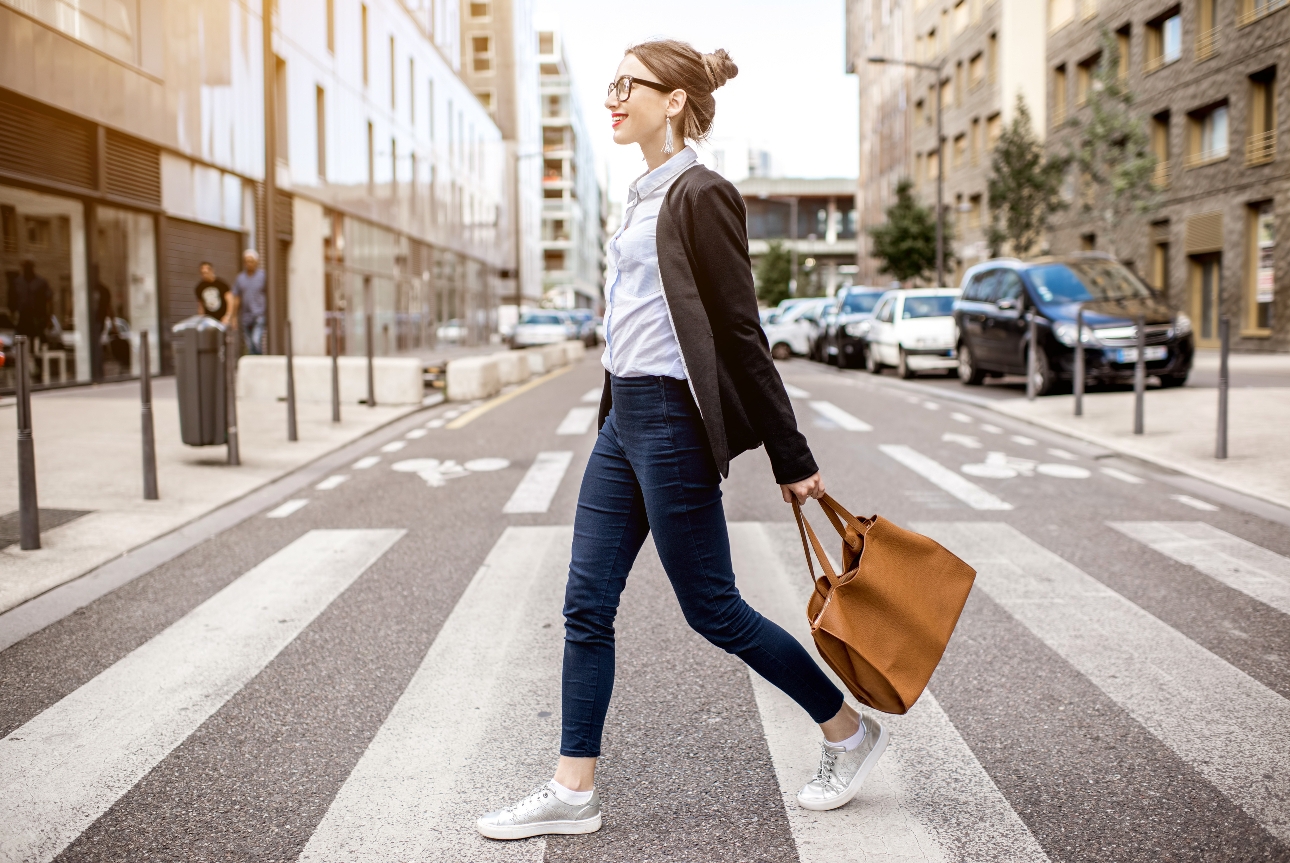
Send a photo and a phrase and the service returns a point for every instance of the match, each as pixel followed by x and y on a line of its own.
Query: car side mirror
pixel 1006 305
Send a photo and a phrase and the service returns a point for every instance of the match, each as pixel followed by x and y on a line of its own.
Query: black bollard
pixel 291 389
pixel 335 369
pixel 1030 357
pixel 1079 362
pixel 1225 343
pixel 145 400
pixel 1140 375
pixel 28 509
pixel 230 394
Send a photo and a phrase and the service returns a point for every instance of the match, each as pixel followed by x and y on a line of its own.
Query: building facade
pixel 814 220
pixel 573 217
pixel 1207 79
pixel 132 148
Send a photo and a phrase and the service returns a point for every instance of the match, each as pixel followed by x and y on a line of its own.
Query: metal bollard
pixel 371 376
pixel 1030 357
pixel 28 509
pixel 1225 343
pixel 1079 362
pixel 1140 375
pixel 291 389
pixel 335 370
pixel 145 410
pixel 230 394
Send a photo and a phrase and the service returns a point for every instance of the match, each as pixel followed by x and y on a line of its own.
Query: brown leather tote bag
pixel 883 624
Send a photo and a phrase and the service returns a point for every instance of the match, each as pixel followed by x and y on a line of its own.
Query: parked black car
pixel 997 295
pixel 845 340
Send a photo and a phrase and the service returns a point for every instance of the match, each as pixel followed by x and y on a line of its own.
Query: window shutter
pixel 45 145
pixel 1205 233
pixel 132 169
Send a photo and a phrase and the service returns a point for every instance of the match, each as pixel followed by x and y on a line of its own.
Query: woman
pixel 689 385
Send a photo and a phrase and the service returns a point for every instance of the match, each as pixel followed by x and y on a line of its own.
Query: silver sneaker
pixel 841 773
pixel 539 814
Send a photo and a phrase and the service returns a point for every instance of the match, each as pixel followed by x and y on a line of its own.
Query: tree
pixel 905 244
pixel 1025 187
pixel 1112 152
pixel 774 271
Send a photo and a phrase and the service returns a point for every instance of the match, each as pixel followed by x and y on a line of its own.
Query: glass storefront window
pixel 42 256
pixel 1265 243
pixel 124 301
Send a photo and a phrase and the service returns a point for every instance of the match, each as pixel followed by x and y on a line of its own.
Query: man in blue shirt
pixel 248 302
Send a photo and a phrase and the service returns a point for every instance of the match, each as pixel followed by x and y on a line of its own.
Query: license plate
pixel 1150 354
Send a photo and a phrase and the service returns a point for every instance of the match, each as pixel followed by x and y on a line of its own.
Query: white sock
pixel 851 742
pixel 571 797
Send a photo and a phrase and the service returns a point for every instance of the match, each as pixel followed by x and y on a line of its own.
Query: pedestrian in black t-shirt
pixel 212 294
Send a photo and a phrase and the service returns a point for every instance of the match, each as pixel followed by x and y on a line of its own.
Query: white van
pixel 914 331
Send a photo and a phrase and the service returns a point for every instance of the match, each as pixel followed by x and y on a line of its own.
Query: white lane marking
pixel 331 482
pixel 992 429
pixel 593 395
pixel 484 465
pixel 1023 440
pixel 1237 563
pixel 830 411
pixel 431 769
pixel 925 789
pixel 1230 728
pixel 366 461
pixel 1194 503
pixel 578 421
pixel 286 509
pixel 966 440
pixel 1061 453
pixel 453 414
pixel 436 423
pixel 394 446
pixel 939 475
pixel 1064 471
pixel 795 392
pixel 415 434
pixel 960 418
pixel 1123 475
pixel 539 485
pixel 68 765
pixel 931 406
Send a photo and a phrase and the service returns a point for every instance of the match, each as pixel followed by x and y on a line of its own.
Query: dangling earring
pixel 667 138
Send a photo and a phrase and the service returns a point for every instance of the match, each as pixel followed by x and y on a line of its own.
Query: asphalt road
pixel 354 677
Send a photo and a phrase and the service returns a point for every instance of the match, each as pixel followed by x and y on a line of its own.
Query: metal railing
pixel 1207 44
pixel 1204 157
pixel 1088 8
pixel 1255 10
pixel 1262 148
pixel 1153 63
pixel 1160 176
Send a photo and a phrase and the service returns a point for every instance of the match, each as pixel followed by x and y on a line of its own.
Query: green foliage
pixel 774 271
pixel 1025 187
pixel 905 243
pixel 1112 151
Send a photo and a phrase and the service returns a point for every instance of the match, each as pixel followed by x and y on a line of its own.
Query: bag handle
pixel 804 528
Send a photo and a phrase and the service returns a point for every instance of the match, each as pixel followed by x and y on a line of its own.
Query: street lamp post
pixel 940 159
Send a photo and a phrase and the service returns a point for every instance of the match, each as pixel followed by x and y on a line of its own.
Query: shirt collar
pixel 645 184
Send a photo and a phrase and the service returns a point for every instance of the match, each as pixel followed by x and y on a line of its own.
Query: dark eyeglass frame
pixel 632 81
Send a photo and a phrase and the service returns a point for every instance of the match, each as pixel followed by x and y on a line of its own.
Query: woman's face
pixel 640 119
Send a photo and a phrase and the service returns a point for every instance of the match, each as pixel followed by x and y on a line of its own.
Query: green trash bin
pixel 200 380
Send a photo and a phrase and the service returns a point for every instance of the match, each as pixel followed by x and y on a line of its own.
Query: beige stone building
pixel 1208 80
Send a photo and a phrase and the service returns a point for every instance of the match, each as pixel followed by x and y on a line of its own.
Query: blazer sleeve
pixel 724 270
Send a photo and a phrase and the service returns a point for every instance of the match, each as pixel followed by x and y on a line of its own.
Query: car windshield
pixel 542 319
pixel 928 307
pixel 859 304
pixel 1080 281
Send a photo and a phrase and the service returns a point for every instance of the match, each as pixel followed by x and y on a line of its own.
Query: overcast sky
pixel 791 97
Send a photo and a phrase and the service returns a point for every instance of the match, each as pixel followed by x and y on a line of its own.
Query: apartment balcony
pixel 1204 157
pixel 1160 176
pixel 1262 148
pixel 1206 44
pixel 1255 10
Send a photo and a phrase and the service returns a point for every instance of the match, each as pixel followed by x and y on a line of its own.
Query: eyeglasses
pixel 623 87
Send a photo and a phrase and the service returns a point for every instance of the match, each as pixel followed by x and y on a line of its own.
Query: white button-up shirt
pixel 639 338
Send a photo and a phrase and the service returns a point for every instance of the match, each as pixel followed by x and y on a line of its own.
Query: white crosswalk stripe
pixel 928 799
pixel 1237 563
pixel 67 766
pixel 535 491
pixel 939 475
pixel 835 414
pixel 592 395
pixel 578 421
pixel 1232 729
pixel 432 768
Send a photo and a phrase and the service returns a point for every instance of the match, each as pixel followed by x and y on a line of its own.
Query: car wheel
pixel 902 366
pixel 871 361
pixel 1170 381
pixel 781 351
pixel 1045 380
pixel 969 373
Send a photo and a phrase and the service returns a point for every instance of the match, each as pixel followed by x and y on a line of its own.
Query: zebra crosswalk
pixel 478 722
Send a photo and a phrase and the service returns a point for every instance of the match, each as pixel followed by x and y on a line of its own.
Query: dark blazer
pixel 702 238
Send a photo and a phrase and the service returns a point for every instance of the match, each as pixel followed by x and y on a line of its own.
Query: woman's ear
pixel 676 102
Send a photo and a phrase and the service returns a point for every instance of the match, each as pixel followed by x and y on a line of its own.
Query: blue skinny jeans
pixel 651 469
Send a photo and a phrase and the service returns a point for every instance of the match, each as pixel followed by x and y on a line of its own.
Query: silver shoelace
pixel 828 757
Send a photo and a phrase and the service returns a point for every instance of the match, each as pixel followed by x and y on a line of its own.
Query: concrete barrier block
pixel 555 356
pixel 397 380
pixel 537 360
pixel 512 367
pixel 574 350
pixel 473 378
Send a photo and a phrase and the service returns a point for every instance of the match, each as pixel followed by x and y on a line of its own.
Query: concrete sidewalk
pixel 88 457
